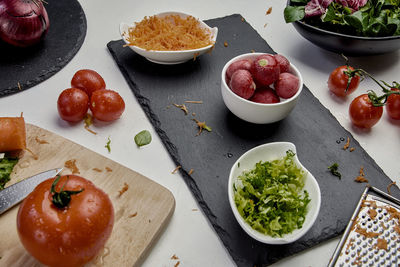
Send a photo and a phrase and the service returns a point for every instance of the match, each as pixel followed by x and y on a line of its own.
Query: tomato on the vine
pixel 72 104
pixel 363 113
pixel 106 105
pixel 88 80
pixel 393 105
pixel 58 232
pixel 338 82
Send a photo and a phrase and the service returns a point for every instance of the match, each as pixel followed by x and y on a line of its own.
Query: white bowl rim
pixel 243 56
pixel 291 237
pixel 213 31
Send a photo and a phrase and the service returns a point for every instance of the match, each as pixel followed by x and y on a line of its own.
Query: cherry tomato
pixel 106 105
pixel 88 80
pixel 337 82
pixel 393 105
pixel 362 113
pixel 72 104
pixel 70 236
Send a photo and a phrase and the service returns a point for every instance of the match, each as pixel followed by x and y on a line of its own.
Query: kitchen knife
pixel 13 194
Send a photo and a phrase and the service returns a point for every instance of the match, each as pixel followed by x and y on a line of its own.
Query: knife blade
pixel 13 194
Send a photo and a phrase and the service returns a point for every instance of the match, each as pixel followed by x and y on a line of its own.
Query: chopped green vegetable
pixel 374 19
pixel 334 170
pixel 143 138
pixel 108 145
pixel 6 167
pixel 270 197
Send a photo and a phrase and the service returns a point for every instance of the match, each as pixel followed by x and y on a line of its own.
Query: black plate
pixel 22 68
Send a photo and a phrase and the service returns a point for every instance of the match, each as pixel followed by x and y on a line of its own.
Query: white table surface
pixel 189 235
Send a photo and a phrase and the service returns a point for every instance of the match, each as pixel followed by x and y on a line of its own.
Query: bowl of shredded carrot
pixel 169 37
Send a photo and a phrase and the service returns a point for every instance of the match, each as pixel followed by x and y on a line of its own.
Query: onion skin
pixel 23 22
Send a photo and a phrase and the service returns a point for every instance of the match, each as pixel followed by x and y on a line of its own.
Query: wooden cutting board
pixel 132 236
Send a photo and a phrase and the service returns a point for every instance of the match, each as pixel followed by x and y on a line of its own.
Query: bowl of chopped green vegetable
pixel 274 198
pixel 357 28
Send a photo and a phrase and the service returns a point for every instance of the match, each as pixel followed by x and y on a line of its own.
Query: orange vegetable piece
pixel 12 134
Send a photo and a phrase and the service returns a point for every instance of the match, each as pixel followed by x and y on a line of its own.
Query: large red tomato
pixel 339 78
pixel 69 236
pixel 106 105
pixel 363 113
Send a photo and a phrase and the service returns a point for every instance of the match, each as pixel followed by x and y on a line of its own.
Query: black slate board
pixel 32 65
pixel 310 126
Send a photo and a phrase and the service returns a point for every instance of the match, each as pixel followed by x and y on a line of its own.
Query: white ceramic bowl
pixel 268 152
pixel 257 112
pixel 169 57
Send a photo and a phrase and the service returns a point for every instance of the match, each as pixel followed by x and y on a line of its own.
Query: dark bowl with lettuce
pixel 350 27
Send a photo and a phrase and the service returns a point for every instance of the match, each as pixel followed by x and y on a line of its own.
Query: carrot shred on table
pixel 389 186
pixel 194 101
pixel 71 164
pixel 176 169
pixel 169 33
pixel 182 107
pixel 123 190
pixel 346 146
pixel 40 141
pixel 133 215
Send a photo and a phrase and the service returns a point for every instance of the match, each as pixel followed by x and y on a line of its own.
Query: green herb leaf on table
pixel 108 145
pixel 270 197
pixel 143 138
pixel 6 167
pixel 334 169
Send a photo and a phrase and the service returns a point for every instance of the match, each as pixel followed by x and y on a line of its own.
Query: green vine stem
pixel 62 198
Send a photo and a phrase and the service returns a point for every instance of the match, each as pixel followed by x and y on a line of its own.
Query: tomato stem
pixel 62 198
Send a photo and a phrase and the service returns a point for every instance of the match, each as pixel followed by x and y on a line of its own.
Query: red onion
pixel 23 22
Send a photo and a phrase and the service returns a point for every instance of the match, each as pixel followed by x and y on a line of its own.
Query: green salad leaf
pixel 143 138
pixel 376 18
pixel 270 197
pixel 6 167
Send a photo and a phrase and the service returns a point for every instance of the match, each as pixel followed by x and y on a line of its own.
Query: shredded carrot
pixel 194 101
pixel 123 190
pixel 176 169
pixel 41 141
pixel 346 146
pixel 169 33
pixel 71 164
pixel 133 215
pixel 389 186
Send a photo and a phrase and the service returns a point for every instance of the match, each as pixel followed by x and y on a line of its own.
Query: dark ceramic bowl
pixel 347 44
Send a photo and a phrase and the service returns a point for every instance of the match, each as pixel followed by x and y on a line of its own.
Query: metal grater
pixel 372 237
